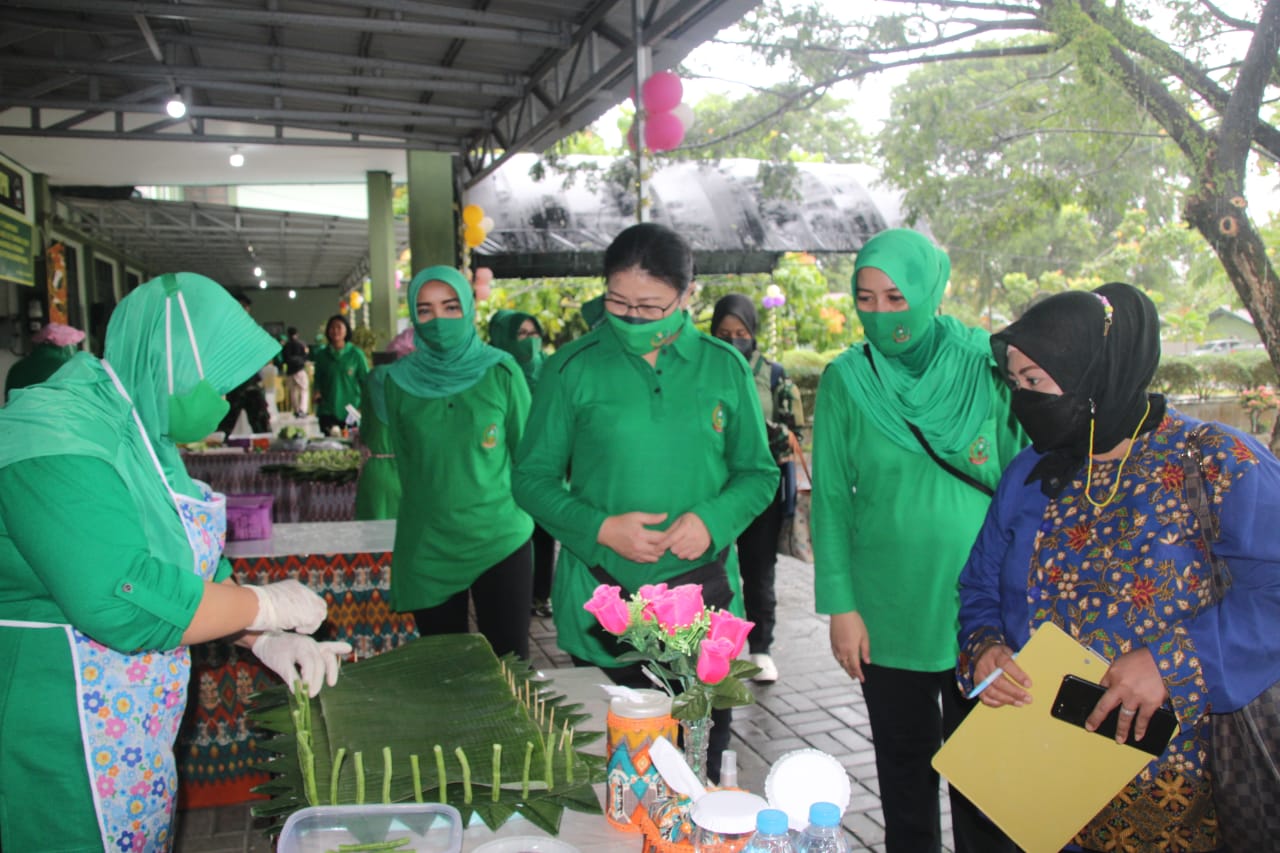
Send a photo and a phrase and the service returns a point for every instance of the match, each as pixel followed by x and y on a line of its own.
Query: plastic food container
pixel 249 517
pixel 430 827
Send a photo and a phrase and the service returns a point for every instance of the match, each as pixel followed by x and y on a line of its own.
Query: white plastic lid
pixel 728 812
pixel 803 777
pixel 641 704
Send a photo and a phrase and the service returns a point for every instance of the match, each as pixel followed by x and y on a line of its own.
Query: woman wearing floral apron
pixel 111 565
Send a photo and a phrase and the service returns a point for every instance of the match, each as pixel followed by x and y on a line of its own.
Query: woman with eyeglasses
pixel 455 408
pixel 657 429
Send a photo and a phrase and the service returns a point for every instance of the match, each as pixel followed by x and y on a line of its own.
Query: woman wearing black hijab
pixel 1091 529
pixel 733 320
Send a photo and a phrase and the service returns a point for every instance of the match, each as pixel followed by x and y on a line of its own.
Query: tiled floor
pixel 813 704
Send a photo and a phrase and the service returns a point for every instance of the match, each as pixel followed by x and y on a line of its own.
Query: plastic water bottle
pixel 823 834
pixel 771 834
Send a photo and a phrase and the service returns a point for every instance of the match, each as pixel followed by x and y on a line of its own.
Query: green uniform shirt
pixel 378 492
pixel 340 379
pixel 684 436
pixel 457 516
pixel 891 529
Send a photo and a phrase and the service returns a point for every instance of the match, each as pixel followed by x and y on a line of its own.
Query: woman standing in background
pixel 911 433
pixel 455 409
pixel 341 369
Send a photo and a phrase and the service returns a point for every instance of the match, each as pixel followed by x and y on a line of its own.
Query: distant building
pixel 1226 324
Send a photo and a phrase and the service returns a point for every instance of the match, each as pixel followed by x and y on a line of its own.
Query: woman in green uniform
pixel 52 347
pixel 456 408
pixel 110 565
pixel 341 369
pixel 911 433
pixel 521 335
pixel 657 429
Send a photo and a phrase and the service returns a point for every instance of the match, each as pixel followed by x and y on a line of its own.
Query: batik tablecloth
pixel 349 563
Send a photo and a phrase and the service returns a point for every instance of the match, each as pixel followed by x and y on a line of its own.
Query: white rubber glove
pixel 295 658
pixel 288 606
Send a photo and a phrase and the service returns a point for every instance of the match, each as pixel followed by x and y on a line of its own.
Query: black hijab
pixel 1101 348
pixel 735 305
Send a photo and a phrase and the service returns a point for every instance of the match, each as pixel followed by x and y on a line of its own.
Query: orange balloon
pixel 472 214
pixel 473 235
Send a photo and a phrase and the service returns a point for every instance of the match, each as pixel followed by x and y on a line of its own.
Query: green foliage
pixel 1177 375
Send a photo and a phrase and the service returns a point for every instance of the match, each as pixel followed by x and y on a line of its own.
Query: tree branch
pixel 1238 23
pixel 1241 116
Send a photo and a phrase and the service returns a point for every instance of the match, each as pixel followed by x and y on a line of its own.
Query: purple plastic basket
pixel 248 517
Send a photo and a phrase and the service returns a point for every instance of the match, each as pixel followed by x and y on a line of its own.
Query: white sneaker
pixel 768 669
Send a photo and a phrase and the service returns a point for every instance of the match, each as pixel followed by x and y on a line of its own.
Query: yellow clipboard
pixel 1038 778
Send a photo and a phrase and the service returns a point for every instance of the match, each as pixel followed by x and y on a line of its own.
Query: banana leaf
pixel 449 701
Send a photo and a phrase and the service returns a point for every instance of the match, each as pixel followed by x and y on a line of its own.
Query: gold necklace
pixel 1115 486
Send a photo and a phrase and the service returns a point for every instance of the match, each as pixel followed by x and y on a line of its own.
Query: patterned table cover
pixel 241 474
pixel 216 752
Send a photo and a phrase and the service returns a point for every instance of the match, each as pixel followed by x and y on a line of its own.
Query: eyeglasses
pixel 644 312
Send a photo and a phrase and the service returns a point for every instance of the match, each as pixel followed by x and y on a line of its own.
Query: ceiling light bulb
pixel 176 108
pixel 257 271
pixel 262 284
pixel 236 159
pixel 293 294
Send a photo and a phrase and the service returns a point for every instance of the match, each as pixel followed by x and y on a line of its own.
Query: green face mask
pixel 644 338
pixel 893 332
pixel 197 413
pixel 444 333
pixel 528 350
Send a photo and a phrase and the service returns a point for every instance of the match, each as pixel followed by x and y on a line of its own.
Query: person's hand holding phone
pixel 1133 684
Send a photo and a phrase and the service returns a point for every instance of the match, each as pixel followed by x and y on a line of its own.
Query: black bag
pixel 1245 761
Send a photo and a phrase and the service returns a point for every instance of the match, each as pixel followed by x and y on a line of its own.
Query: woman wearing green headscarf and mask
pixel 911 433
pixel 455 408
pixel 521 335
pixel 110 565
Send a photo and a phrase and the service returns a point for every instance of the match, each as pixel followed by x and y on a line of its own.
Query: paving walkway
pixel 813 704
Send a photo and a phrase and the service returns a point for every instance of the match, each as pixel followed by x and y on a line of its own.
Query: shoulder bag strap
pixel 942 463
pixel 1198 499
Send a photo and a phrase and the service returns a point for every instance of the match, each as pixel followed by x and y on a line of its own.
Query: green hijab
pixel 81 404
pixel 929 370
pixel 504 328
pixel 429 371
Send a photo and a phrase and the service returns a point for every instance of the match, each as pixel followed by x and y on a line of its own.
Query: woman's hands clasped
pixel 630 535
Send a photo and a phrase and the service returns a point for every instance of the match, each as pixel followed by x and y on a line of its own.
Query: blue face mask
pixel 196 412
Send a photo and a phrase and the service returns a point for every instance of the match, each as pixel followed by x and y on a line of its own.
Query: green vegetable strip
pixel 373 846
pixel 568 759
pixel 417 778
pixel 386 774
pixel 333 775
pixel 359 777
pixel 466 775
pixel 497 770
pixel 524 779
pixel 444 781
pixel 547 753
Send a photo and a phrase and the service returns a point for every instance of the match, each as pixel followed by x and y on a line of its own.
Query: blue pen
pixel 987 682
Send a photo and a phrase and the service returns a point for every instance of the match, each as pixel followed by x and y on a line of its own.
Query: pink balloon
pixel 662 92
pixel 484 277
pixel 662 132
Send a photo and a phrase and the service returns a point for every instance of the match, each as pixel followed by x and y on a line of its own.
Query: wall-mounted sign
pixel 17 264
pixel 13 189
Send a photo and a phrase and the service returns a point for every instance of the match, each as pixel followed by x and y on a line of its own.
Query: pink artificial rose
pixel 610 610
pixel 652 591
pixel 680 607
pixel 724 625
pixel 714 658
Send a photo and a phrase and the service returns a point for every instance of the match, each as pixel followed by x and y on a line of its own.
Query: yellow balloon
pixel 357 299
pixel 472 214
pixel 473 235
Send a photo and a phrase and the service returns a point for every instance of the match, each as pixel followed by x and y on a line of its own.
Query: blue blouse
pixel 1134 574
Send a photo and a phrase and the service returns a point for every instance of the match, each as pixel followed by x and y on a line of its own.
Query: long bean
pixel 334 773
pixel 497 771
pixel 444 780
pixel 417 777
pixel 359 777
pixel 386 774
pixel 466 775
pixel 524 779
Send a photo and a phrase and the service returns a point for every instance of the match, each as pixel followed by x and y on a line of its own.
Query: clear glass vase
pixel 697 738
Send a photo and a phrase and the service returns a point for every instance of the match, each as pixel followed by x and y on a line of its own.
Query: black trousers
pixel 328 422
pixel 544 563
pixel 758 563
pixel 501 597
pixel 911 714
pixel 721 719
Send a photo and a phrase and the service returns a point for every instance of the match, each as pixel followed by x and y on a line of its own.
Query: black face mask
pixel 746 346
pixel 1052 421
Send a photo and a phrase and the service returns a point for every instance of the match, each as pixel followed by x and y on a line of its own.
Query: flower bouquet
pixel 689 649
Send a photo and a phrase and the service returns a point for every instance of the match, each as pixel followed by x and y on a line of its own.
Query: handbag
pixel 793 537
pixel 1245 759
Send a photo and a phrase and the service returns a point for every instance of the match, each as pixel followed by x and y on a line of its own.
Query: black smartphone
pixel 1077 698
